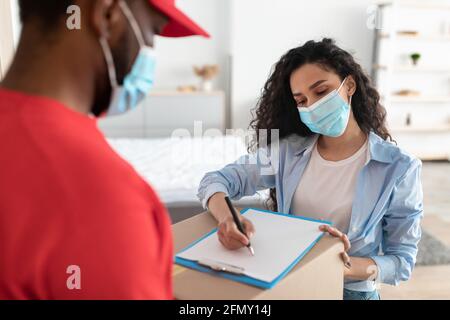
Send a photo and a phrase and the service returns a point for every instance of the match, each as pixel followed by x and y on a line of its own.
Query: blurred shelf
pixel 428 4
pixel 433 156
pixel 428 129
pixel 418 99
pixel 421 37
pixel 400 68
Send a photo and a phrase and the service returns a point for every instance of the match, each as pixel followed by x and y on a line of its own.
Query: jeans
pixel 360 295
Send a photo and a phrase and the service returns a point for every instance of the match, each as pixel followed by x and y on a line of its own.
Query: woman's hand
pixel 343 237
pixel 229 235
pixel 357 268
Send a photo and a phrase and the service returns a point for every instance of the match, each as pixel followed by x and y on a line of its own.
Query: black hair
pixel 46 12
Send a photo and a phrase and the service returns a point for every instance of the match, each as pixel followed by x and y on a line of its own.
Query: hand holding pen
pixel 230 234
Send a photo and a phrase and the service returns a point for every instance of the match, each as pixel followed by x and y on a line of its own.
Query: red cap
pixel 179 25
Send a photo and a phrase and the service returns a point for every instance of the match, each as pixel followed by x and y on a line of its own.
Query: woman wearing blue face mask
pixel 334 160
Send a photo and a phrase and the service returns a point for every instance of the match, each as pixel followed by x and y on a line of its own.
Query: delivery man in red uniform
pixel 76 221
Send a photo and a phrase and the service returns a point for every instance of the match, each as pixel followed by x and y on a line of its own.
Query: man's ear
pixel 106 17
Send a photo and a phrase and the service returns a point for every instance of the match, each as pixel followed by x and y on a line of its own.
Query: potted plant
pixel 415 57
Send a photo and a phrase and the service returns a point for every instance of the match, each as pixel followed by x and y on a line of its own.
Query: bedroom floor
pixel 430 282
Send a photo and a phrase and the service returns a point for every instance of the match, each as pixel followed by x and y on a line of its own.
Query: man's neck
pixel 49 72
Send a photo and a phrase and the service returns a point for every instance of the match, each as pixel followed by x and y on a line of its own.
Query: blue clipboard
pixel 243 278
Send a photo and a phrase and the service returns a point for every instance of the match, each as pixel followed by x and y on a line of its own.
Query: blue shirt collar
pixel 379 148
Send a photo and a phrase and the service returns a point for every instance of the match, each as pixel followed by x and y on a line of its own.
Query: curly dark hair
pixel 277 109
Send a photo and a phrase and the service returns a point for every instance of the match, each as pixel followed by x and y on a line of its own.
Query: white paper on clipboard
pixel 278 242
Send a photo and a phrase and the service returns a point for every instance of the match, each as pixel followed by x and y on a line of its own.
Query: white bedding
pixel 175 166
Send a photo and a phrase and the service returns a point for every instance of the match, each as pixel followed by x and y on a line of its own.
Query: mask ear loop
pixel 310 108
pixel 109 62
pixel 133 23
pixel 342 84
pixel 107 50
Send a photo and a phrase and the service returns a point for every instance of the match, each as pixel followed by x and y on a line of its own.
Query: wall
pixel 15 20
pixel 177 56
pixel 6 36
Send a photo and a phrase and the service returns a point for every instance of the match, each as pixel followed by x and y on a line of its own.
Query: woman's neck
pixel 343 147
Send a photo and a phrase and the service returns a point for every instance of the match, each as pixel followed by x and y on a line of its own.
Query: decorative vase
pixel 207 85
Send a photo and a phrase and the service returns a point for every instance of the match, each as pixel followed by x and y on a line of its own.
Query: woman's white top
pixel 327 188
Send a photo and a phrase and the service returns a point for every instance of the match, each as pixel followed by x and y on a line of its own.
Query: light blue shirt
pixel 387 207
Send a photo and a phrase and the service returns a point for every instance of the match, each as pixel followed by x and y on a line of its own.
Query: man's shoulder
pixel 72 152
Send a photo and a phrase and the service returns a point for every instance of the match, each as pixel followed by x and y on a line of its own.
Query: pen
pixel 238 223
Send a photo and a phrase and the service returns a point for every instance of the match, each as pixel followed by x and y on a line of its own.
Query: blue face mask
pixel 329 116
pixel 138 83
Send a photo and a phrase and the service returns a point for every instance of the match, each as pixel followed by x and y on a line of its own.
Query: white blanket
pixel 175 166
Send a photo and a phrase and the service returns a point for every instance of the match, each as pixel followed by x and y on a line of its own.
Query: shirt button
pixel 355 229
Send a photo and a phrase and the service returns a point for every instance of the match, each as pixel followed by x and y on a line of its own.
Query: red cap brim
pixel 179 25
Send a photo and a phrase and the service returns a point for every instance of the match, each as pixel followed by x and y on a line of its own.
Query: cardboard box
pixel 319 275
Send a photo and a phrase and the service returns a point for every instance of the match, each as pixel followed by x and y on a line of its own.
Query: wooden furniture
pixel 163 112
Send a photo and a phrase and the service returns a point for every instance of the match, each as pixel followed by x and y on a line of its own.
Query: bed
pixel 174 167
